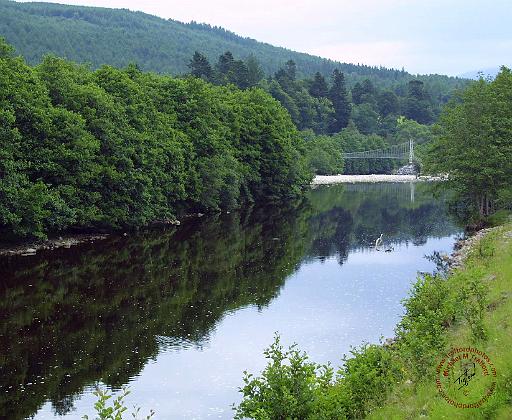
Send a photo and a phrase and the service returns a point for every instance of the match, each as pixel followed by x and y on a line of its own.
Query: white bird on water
pixel 378 242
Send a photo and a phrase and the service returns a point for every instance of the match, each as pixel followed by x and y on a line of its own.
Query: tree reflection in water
pixel 100 312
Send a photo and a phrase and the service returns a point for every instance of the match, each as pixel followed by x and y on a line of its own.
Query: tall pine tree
pixel 339 99
pixel 200 67
pixel 255 73
pixel 319 88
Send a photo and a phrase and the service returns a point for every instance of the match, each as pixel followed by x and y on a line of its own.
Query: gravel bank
pixel 352 179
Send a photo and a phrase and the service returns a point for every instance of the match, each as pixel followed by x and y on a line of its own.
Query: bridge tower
pixel 411 151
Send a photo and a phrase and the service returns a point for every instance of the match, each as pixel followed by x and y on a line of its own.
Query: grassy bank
pixel 481 295
pixel 470 307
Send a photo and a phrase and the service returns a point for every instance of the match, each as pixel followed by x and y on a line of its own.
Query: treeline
pixel 474 146
pixel 326 105
pixel 115 148
pixel 334 119
pixel 119 37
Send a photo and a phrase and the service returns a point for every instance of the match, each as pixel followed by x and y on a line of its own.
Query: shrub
pixel 288 387
pixel 116 410
pixel 429 309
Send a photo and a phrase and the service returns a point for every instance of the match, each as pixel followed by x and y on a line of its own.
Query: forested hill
pixel 119 37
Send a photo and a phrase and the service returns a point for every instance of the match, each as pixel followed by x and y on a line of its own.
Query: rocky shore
pixel 463 247
pixel 31 248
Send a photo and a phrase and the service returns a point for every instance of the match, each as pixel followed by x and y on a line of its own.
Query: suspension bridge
pixel 398 151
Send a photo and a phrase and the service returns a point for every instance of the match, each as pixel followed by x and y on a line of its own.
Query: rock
pixel 407 170
pixel 28 252
pixel 389 342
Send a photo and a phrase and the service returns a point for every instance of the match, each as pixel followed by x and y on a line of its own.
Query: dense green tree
pixel 276 90
pixel 418 106
pixel 318 87
pixel 339 99
pixel 323 117
pixel 364 92
pixel 474 145
pixel 224 68
pixel 324 153
pixel 357 92
pixel 416 89
pixel 240 75
pixel 286 76
pixel 388 103
pixel 123 148
pixel 291 70
pixel 365 118
pixel 254 71
pixel 410 129
pixel 200 66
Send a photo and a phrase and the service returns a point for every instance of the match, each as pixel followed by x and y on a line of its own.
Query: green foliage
pixel 352 140
pixel 119 37
pixel 474 145
pixel 318 87
pixel 116 410
pixel 371 373
pixel 324 154
pixel 366 378
pixel 292 387
pixel 365 118
pixel 339 99
pixel 312 104
pixel 420 333
pixel 200 67
pixel 123 148
pixel 473 295
pixel 287 388
pixel 500 217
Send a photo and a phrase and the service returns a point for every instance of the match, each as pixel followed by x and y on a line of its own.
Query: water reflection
pixel 157 301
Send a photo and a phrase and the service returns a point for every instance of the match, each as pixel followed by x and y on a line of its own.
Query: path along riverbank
pixel 352 179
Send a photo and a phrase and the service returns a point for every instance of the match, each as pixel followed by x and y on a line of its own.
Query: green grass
pixel 489 267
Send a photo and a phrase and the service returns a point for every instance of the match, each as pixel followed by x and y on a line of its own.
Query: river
pixel 178 315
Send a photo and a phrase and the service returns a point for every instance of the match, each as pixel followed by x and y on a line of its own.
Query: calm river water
pixel 178 315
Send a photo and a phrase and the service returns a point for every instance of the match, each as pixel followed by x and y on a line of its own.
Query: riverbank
pixel 482 284
pixel 351 179
pixel 466 311
pixel 31 248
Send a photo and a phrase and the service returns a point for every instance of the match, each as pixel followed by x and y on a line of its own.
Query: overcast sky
pixel 424 36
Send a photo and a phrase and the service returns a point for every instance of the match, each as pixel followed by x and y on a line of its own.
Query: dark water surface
pixel 178 315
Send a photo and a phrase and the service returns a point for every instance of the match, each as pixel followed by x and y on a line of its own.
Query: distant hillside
pixel 119 37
